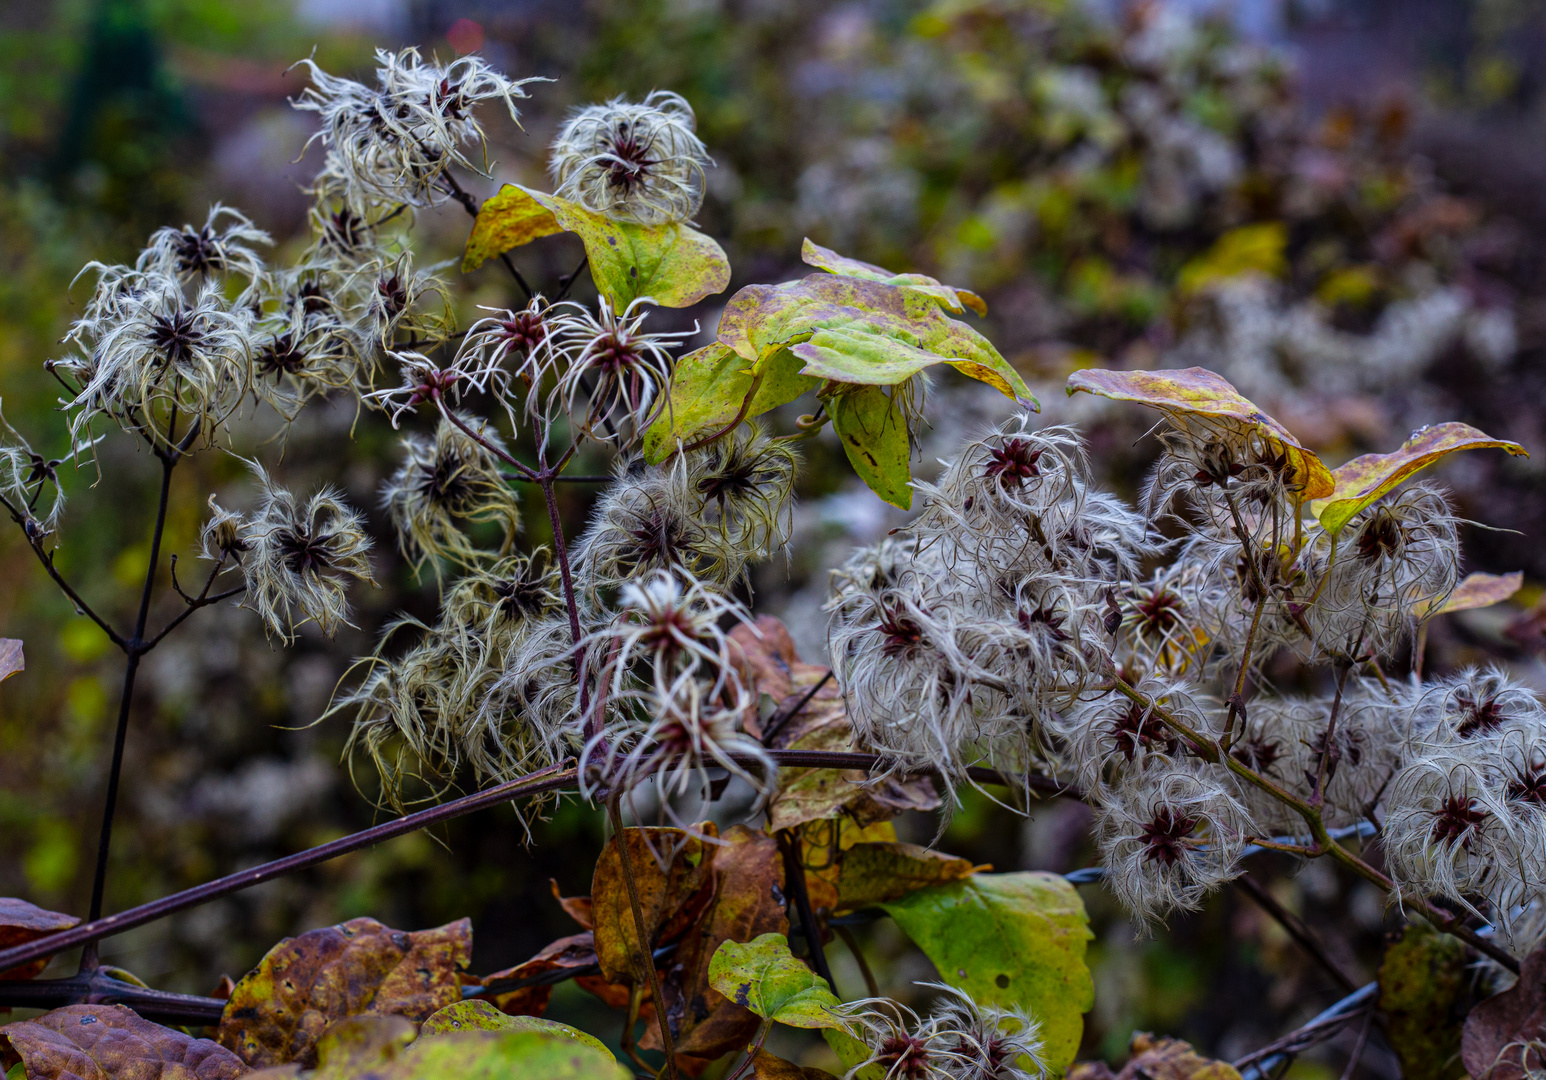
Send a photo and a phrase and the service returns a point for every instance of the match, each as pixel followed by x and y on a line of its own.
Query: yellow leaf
pixel 1366 478
pixel 1197 391
pixel 507 220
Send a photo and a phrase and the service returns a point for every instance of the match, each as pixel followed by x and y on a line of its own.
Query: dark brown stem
pixel 777 722
pixel 644 956
pixel 1294 927
pixel 47 559
pixel 1318 793
pixel 794 880
pixel 542 781
pixel 471 205
pixel 137 647
pixel 871 987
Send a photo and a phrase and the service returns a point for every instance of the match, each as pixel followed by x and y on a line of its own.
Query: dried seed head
pixel 632 162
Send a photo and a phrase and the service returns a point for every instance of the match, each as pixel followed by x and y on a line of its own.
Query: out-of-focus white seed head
pixel 637 162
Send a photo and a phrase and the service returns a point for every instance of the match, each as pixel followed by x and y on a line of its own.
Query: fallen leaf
pixel 304 984
pixel 766 1066
pixel 1498 1029
pixel 1364 479
pixel 1169 1059
pixel 748 901
pixel 671 897
pixel 1010 940
pixel 763 975
pixel 874 873
pixel 111 1042
pixel 577 951
pixel 21 922
pixel 1197 391
pixel 1424 995
pixel 11 658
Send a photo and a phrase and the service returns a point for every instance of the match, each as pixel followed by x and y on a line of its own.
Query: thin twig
pixel 1294 926
pixel 783 716
pixel 643 956
pixel 1357 1054
pixel 871 987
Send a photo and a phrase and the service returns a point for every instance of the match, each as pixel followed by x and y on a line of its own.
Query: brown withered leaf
pixel 578 908
pixel 671 897
pixel 577 951
pixel 109 1042
pixel 1498 1030
pixel 280 1008
pixel 1156 1058
pixel 11 658
pixel 21 922
pixel 770 665
pixel 748 900
pixel 766 1066
pixel 875 873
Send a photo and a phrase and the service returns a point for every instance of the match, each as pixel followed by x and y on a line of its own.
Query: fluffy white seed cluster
pixel 1027 621
pixel 638 162
pixel 959 1039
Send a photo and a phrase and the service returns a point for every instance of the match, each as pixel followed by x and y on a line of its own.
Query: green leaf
pixel 1009 939
pixel 763 975
pixel 707 389
pixel 859 355
pixel 1425 995
pixel 475 1015
pixel 354 1051
pixel 674 265
pixel 1364 479
pixel 508 219
pixel 761 319
pixel 951 299
pixel 875 438
pixel 850 1051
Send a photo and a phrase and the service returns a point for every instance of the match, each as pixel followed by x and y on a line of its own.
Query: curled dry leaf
pixel 1171 1059
pixel 109 1042
pixel 565 954
pixel 1197 391
pixel 21 922
pixel 766 1066
pixel 577 908
pixel 280 1008
pixel 770 665
pixel 672 872
pixel 1364 479
pixel 748 901
pixel 874 873
pixel 1502 1030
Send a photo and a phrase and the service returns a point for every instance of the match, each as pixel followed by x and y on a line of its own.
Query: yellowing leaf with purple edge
pixel 508 219
pixel 1366 478
pixel 1197 391
pixel 953 300
pixel 1476 591
pixel 762 320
